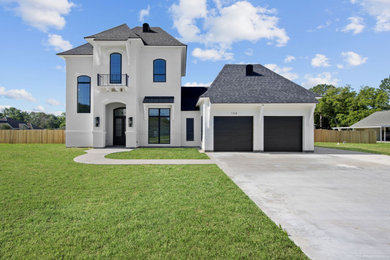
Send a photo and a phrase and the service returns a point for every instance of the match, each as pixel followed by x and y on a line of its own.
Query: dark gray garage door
pixel 283 133
pixel 233 133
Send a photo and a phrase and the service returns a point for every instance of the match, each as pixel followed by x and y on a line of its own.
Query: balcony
pixel 113 82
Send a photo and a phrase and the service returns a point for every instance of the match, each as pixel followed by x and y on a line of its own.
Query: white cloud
pixel 322 78
pixel 284 71
pixel 320 60
pixel 212 54
pixel 249 52
pixel 195 84
pixel 380 9
pixel 289 59
pixel 60 67
pixel 42 14
pixel 58 43
pixel 53 102
pixel 143 13
pixel 39 109
pixel 185 15
pixel 353 59
pixel 221 27
pixel 356 25
pixel 2 107
pixel 340 66
pixel 16 94
pixel 57 113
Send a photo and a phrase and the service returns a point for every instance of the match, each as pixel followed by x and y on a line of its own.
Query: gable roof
pixel 155 37
pixel 232 85
pixel 380 118
pixel 118 33
pixel 85 49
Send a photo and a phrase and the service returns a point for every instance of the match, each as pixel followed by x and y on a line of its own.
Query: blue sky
pixel 336 41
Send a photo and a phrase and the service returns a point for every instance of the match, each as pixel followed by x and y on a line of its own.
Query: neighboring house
pixel 10 123
pixel 123 87
pixel 380 121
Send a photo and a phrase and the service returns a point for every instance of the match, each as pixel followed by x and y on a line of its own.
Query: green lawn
pixel 380 148
pixel 159 153
pixel 52 207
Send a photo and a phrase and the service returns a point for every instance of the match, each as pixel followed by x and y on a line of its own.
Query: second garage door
pixel 233 133
pixel 283 134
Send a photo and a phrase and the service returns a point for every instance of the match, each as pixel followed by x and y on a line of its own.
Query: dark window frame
pixel 83 82
pixel 120 69
pixel 159 116
pixel 160 74
pixel 190 134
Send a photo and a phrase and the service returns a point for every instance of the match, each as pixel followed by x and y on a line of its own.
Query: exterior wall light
pixel 130 121
pixel 97 121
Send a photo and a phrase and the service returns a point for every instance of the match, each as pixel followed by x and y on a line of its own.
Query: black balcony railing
pixel 112 79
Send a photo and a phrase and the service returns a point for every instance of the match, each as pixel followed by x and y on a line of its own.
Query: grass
pixel 379 148
pixel 159 153
pixel 52 207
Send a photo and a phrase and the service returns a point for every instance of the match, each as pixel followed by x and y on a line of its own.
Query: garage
pixel 283 134
pixel 233 133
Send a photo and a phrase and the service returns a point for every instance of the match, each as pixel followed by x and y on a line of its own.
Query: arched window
pixel 83 94
pixel 115 68
pixel 159 70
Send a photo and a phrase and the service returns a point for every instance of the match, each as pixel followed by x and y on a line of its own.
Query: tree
pixel 321 89
pixel 343 107
pixel 40 119
pixel 385 85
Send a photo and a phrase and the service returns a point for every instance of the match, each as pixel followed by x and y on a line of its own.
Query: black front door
pixel 120 126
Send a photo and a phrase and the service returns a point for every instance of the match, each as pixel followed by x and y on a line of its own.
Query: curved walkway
pixel 97 156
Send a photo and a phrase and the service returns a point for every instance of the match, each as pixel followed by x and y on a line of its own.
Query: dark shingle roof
pixel 85 49
pixel 190 96
pixel 264 86
pixel 380 118
pixel 157 37
pixel 15 124
pixel 158 99
pixel 119 33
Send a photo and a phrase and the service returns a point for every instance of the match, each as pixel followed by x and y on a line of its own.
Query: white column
pixel 380 133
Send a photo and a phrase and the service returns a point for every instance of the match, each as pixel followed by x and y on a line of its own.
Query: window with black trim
pixel 115 68
pixel 190 129
pixel 159 70
pixel 159 126
pixel 83 94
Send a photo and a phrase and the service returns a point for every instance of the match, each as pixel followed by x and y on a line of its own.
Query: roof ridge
pixel 94 35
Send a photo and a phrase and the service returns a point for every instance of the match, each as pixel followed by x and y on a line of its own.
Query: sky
pixel 339 42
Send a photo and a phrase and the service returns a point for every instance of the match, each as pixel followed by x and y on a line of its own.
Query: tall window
pixel 159 70
pixel 83 94
pixel 159 125
pixel 190 129
pixel 115 68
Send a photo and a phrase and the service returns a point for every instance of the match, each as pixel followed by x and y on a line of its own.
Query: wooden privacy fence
pixel 363 136
pixel 32 136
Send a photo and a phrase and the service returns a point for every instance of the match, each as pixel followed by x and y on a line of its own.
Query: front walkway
pixel 97 156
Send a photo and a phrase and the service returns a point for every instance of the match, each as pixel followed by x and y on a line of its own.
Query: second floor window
pixel 83 94
pixel 159 70
pixel 115 68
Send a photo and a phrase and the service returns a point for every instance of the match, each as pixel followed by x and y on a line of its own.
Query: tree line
pixel 342 106
pixel 40 119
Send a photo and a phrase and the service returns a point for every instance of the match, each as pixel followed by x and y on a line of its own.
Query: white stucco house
pixel 123 87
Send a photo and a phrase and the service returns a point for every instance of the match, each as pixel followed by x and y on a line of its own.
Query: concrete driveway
pixel 334 204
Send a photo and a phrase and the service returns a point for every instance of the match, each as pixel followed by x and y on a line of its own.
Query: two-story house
pixel 123 87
